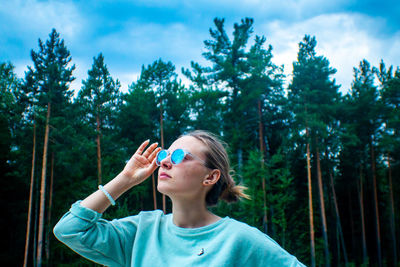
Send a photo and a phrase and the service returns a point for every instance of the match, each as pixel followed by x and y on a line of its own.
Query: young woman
pixel 194 173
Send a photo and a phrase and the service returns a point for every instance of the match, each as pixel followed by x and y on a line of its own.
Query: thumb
pixel 153 166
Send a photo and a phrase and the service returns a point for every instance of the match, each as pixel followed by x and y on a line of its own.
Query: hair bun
pixel 233 193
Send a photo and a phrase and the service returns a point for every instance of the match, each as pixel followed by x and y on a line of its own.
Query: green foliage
pixel 280 195
pixel 138 115
pixel 252 176
pixel 170 95
pixel 8 86
pixel 12 187
pixel 312 93
pixel 100 95
pixel 247 76
pixel 51 71
pixel 389 106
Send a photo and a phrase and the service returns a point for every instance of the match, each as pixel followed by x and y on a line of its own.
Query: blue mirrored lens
pixel 161 155
pixel 177 156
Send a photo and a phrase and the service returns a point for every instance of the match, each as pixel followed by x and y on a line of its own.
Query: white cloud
pixel 21 67
pixel 33 17
pixel 344 39
pixel 126 79
pixel 80 73
pixel 393 52
pixel 137 44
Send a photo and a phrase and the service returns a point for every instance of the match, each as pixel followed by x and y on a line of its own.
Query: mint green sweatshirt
pixel 151 239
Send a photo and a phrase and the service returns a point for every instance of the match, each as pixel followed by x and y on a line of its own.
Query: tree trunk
pixel 99 175
pixel 260 129
pixel 261 139
pixel 28 223
pixel 49 210
pixel 162 146
pixel 350 206
pixel 154 191
pixel 337 250
pixel 339 225
pixel 310 205
pixel 392 214
pixel 322 206
pixel 361 199
pixel 375 188
pixel 43 189
pixel 35 226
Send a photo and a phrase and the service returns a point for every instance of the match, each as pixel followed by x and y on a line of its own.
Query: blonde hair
pixel 217 158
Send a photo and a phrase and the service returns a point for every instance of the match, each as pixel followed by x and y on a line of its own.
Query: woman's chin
pixel 164 188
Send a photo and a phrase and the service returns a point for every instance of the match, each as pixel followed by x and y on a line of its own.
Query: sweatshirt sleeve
pixel 106 242
pixel 254 248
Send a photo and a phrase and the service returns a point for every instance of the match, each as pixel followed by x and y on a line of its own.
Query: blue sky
pixel 135 33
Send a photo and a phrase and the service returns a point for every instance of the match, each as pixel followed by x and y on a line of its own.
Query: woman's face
pixel 184 180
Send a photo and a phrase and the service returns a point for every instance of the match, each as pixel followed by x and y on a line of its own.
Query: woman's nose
pixel 166 163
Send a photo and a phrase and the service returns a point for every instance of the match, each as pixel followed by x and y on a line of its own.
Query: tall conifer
pixel 53 76
pixel 314 98
pixel 99 96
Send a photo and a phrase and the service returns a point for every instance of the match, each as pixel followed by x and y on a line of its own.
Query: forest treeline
pixel 322 168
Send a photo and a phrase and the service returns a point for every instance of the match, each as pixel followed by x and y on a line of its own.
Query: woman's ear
pixel 212 178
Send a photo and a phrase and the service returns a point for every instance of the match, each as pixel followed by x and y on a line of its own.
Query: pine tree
pixel 100 96
pixel 390 141
pixel 12 182
pixel 53 75
pixel 362 120
pixel 29 88
pixel 228 73
pixel 314 97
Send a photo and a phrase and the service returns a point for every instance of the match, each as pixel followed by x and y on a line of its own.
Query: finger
pixel 142 146
pixel 141 160
pixel 154 154
pixel 153 166
pixel 150 149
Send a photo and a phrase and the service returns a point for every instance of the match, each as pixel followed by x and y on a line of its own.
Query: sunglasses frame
pixel 185 152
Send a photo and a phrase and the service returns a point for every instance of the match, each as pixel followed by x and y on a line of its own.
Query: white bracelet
pixel 112 201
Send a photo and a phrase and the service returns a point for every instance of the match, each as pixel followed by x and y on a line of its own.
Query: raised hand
pixel 142 164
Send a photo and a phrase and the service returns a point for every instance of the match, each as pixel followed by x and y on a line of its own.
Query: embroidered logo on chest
pixel 201 252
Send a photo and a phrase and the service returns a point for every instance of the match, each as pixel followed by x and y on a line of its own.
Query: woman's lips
pixel 163 175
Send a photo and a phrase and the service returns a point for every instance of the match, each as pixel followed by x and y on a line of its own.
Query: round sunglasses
pixel 177 156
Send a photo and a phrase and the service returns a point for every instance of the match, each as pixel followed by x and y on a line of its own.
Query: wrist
pixel 112 201
pixel 124 181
